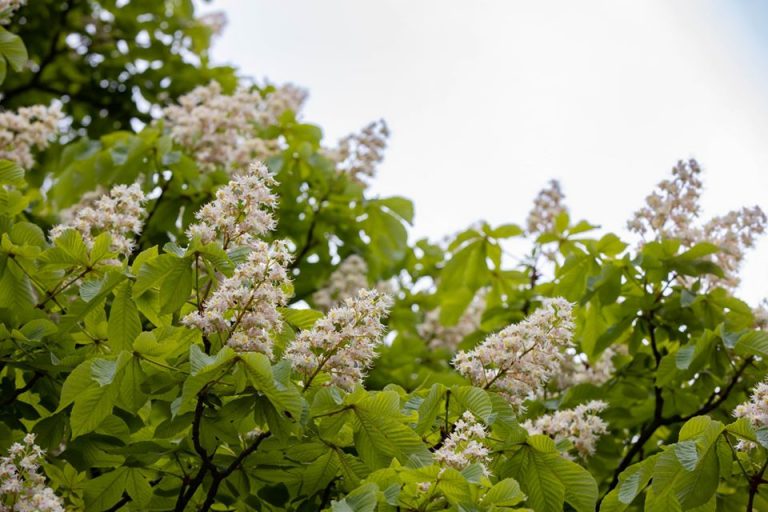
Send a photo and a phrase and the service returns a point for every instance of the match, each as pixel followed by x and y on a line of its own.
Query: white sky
pixel 487 100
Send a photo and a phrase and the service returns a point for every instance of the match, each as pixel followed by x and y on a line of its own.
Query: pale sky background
pixel 488 100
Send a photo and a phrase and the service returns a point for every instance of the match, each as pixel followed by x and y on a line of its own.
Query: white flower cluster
pixel 7 8
pixel 343 343
pixel 464 446
pixel 221 130
pixel 28 128
pixel 22 486
pixel 672 210
pixel 519 360
pixel 216 21
pixel 734 233
pixel 546 208
pixel 243 309
pixel 756 409
pixel 350 277
pixel 576 370
pixel 439 336
pixel 580 425
pixel 358 154
pixel 119 213
pixel 241 212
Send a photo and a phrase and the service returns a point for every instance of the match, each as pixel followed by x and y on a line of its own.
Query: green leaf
pixel 474 400
pixel 124 322
pixel 753 343
pixel 506 231
pixel 362 499
pixel 549 480
pixel 430 408
pixel 300 318
pixel 91 408
pixel 506 493
pixel 11 173
pixel 105 490
pixel 284 396
pixel 399 205
pixel 382 436
pixel 13 50
pixel 137 486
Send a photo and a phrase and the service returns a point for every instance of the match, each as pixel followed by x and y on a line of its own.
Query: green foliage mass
pixel 138 412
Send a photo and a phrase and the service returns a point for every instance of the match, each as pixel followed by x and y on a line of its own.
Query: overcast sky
pixel 488 100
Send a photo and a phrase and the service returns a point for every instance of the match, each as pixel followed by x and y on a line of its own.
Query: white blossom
pixel 222 131
pixel 547 206
pixel 343 343
pixel 672 212
pixel 519 360
pixel 21 482
pixel 464 446
pixel 216 21
pixel 241 212
pixel 756 409
pixel 27 129
pixel 439 336
pixel 243 309
pixel 577 370
pixel 119 213
pixel 580 425
pixel 350 277
pixel 359 154
pixel 7 8
pixel 733 233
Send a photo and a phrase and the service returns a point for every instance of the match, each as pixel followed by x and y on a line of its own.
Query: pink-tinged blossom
pixel 223 131
pixel 359 154
pixel 465 445
pixel 243 309
pixel 547 206
pixel 27 129
pixel 241 212
pixel 120 213
pixel 22 485
pixel 580 425
pixel 342 344
pixel 519 360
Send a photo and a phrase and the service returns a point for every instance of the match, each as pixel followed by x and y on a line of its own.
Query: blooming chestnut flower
pixel 519 360
pixel 241 212
pixel 120 213
pixel 222 130
pixel 21 479
pixel 344 343
pixel 464 446
pixel 29 127
pixel 580 425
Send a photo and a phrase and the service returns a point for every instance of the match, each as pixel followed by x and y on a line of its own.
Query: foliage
pixel 138 410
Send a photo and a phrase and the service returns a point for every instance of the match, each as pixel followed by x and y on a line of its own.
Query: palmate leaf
pixel 362 499
pixel 105 490
pixel 549 480
pixel 124 322
pixel 381 435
